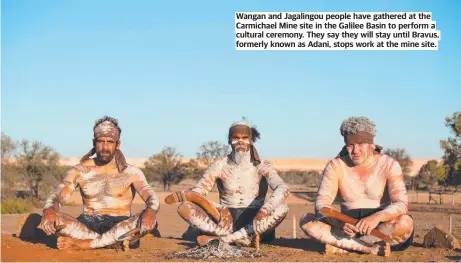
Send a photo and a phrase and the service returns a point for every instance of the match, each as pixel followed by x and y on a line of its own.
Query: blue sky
pixel 170 73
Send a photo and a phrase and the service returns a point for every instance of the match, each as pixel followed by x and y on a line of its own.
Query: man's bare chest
pixel 240 179
pixel 370 185
pixel 105 184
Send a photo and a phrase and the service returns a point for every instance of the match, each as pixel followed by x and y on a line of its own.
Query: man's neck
pixel 105 165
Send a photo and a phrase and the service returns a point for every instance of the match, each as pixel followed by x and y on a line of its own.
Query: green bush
pixel 16 206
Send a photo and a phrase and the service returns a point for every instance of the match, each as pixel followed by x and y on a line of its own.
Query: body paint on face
pixel 241 145
pixel 361 153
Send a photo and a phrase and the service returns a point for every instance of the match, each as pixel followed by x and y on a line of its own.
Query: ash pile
pixel 217 249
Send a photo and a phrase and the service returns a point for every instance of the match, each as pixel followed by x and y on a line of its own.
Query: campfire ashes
pixel 216 249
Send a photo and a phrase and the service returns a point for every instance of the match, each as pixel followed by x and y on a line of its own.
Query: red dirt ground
pixel 171 226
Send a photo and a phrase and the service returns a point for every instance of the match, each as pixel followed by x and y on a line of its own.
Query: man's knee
pixel 282 210
pixel 404 231
pixel 185 209
pixel 399 226
pixel 404 227
pixel 306 222
pixel 404 221
pixel 64 219
pixel 271 220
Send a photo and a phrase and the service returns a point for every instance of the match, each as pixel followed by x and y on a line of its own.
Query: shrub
pixel 306 178
pixel 16 206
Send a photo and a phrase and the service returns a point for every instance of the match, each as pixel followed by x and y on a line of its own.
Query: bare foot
pixel 246 242
pixel 381 249
pixel 203 240
pixel 331 250
pixel 67 243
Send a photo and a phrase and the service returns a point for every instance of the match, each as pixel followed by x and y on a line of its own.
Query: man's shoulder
pixel 133 169
pixel 335 163
pixel 83 167
pixel 390 163
pixel 265 162
pixel 386 158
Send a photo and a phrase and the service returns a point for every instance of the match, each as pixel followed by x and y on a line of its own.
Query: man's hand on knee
pixel 365 225
pixel 261 214
pixel 48 221
pixel 350 230
pixel 148 220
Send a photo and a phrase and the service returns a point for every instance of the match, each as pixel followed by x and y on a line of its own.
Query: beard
pixel 241 156
pixel 105 157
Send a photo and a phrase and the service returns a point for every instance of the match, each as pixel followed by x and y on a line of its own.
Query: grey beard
pixel 241 157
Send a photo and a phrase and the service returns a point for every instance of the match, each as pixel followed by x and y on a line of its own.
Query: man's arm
pixel 65 189
pixel 58 198
pixel 206 183
pixel 143 188
pixel 328 188
pixel 145 191
pixel 278 186
pixel 327 193
pixel 397 193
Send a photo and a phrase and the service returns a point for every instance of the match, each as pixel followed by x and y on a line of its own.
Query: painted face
pixel 359 153
pixel 105 148
pixel 240 142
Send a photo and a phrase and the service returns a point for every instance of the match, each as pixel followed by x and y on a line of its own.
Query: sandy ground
pixel 286 248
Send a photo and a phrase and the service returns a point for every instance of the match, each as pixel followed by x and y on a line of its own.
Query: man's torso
pixel 106 192
pixel 363 187
pixel 241 185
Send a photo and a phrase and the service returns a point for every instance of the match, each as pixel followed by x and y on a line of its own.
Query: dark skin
pixel 242 140
pixel 105 151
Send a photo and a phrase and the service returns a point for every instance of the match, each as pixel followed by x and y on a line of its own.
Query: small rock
pixel 440 237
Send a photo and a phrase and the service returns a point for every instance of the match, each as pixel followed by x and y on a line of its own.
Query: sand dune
pixel 280 164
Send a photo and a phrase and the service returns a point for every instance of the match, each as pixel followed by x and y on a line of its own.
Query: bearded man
pixel 242 180
pixel 108 185
pixel 371 189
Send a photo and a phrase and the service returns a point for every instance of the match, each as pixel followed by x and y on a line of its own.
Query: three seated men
pixel 242 180
pixel 107 185
pixel 371 188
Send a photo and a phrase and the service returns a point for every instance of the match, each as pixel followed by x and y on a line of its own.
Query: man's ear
pixel 94 142
pixel 118 144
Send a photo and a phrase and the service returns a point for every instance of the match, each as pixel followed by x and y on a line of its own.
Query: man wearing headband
pixel 371 189
pixel 242 179
pixel 108 185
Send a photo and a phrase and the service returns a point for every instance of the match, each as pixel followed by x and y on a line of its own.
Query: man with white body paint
pixel 107 185
pixel 242 180
pixel 371 189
